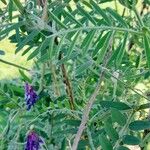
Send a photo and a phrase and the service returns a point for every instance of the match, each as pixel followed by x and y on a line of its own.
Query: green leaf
pixel 10 9
pixel 87 41
pixel 34 53
pixel 128 3
pixel 114 55
pixel 24 76
pixel 144 106
pixel 83 67
pixel 58 48
pixel 26 50
pixel 12 27
pixel 117 105
pixel 100 42
pixel 51 48
pixel 44 58
pixel 55 18
pixel 140 125
pixel 44 45
pixel 70 16
pixel 19 6
pixel 64 144
pixel 71 122
pixel 86 14
pixel 28 38
pixel 121 51
pixel 147 49
pixel 87 4
pixel 111 132
pixel 122 148
pixel 101 12
pixel 118 117
pixel 130 140
pixel 118 18
pixel 104 49
pixel 105 143
pixel 72 46
pixel 4 2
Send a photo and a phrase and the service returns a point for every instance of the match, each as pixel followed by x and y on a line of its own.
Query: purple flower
pixel 30 96
pixel 33 141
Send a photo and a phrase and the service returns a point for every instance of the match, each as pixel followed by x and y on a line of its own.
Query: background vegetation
pixel 88 62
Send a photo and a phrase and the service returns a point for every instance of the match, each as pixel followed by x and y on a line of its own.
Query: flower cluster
pixel 30 96
pixel 33 141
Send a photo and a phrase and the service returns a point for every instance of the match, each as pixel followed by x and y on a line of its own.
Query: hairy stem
pixel 86 112
pixel 68 84
pixel 87 109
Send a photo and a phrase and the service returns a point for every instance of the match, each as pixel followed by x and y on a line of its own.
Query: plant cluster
pixel 81 91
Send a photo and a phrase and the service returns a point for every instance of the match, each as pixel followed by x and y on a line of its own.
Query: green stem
pixel 123 131
pixel 90 139
pixel 42 78
pixel 138 17
pixel 102 28
pixel 14 65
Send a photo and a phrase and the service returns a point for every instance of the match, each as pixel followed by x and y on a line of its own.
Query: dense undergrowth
pixel 89 56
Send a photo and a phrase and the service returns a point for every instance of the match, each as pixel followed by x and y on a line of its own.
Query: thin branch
pixel 44 18
pixel 91 100
pixel 86 112
pixel 126 85
pixel 14 65
pixel 100 28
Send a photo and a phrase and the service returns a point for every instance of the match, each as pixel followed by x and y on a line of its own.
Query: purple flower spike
pixel 33 141
pixel 30 96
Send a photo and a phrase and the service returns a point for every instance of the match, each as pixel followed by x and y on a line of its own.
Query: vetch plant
pixel 89 84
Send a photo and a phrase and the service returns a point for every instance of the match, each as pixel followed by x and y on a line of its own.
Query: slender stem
pixel 42 78
pixel 102 28
pixel 90 139
pixel 86 112
pixel 44 18
pixel 67 82
pixel 52 69
pixel 14 65
pixel 127 86
pixel 88 107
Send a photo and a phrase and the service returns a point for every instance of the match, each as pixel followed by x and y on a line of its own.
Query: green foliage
pixel 77 45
